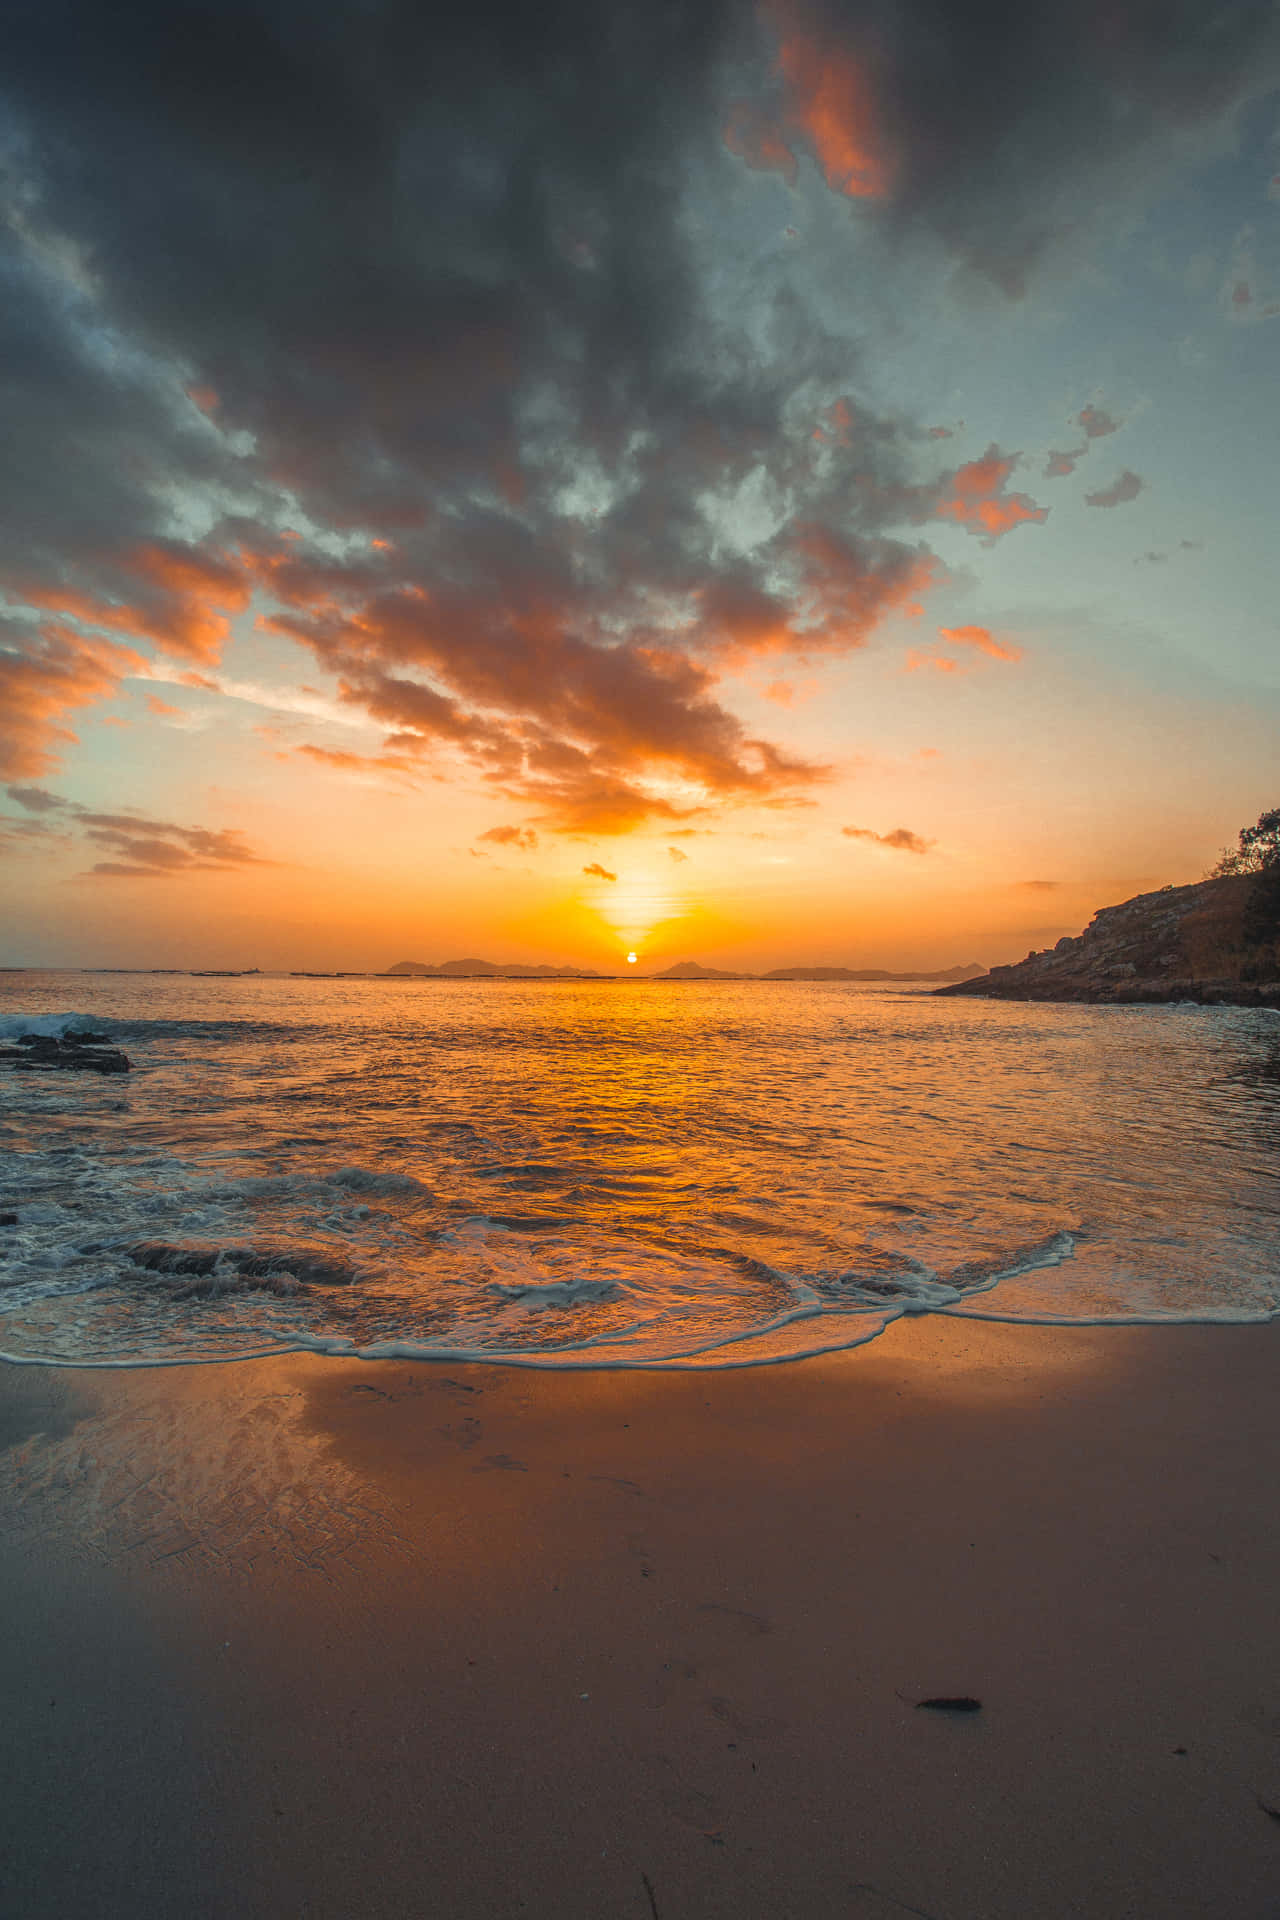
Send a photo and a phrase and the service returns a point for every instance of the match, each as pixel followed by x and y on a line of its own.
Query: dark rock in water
pixel 224 1267
pixel 42 1053
pixel 8 1219
pixel 952 1703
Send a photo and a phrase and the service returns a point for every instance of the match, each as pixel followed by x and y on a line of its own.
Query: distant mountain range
pixel 466 969
pixel 690 970
pixel 683 970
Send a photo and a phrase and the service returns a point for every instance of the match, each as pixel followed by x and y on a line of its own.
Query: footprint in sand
pixel 694 1809
pixel 765 1728
pixel 465 1434
pixel 748 1623
pixel 494 1462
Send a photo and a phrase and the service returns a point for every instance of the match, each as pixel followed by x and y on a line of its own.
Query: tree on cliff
pixel 1257 847
pixel 1258 853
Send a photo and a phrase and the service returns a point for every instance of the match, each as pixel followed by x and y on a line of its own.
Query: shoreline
pixel 323 1636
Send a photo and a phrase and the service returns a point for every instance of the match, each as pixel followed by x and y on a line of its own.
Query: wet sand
pixel 309 1637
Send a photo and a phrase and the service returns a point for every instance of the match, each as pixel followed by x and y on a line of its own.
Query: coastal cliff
pixel 1182 943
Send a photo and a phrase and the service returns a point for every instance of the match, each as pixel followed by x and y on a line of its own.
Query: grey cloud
pixel 1059 464
pixel 1127 487
pixel 35 799
pixel 143 845
pixel 1097 422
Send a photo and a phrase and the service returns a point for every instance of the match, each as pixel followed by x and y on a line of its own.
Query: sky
pixel 765 484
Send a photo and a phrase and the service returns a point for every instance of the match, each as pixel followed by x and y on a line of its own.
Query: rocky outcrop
pixel 86 1052
pixel 1182 943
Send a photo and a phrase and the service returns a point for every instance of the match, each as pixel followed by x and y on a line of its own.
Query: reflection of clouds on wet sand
pixel 204 1477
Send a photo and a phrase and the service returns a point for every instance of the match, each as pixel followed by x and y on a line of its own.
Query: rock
pixel 1182 943
pixel 38 1053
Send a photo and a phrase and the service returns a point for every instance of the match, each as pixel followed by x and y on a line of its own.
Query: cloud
pixel 977 501
pixel 1096 422
pixel 955 120
pixel 162 709
pixel 1127 487
pixel 676 854
pixel 523 837
pixel 414 335
pixel 1060 463
pixel 982 639
pixel 36 799
pixel 159 849
pixel 1038 886
pixel 599 872
pixel 46 672
pixel 898 840
pixel 977 639
pixel 143 847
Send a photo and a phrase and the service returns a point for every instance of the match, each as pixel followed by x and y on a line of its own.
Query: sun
pixel 631 959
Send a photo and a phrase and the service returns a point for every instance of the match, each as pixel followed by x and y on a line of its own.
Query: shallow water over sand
pixel 629 1173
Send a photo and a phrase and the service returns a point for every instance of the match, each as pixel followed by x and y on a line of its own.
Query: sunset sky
pixel 756 484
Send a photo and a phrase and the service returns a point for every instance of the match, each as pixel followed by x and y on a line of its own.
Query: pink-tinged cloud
pixel 547 715
pixel 1097 422
pixel 522 837
pixel 981 638
pixel 828 105
pixel 676 854
pixel 47 673
pixel 597 872
pixel 919 662
pixel 941 433
pixel 976 498
pixel 162 709
pixel 1063 462
pixel 829 100
pixel 176 595
pixel 1127 487
pixel 1241 294
pixel 897 840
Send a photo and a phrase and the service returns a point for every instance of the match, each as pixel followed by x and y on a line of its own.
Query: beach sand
pixel 316 1637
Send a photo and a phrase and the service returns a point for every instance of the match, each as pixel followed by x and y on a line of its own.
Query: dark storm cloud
pixel 420 289
pixel 1000 125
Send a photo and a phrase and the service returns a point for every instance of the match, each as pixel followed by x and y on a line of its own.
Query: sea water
pixel 619 1173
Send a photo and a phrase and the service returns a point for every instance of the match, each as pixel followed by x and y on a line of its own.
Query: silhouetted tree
pixel 1258 854
pixel 1258 847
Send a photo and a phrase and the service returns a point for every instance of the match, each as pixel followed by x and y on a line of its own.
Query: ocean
pixel 619 1174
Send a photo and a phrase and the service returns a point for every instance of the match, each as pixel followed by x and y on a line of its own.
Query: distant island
pixel 485 969
pixel 690 970
pixel 683 970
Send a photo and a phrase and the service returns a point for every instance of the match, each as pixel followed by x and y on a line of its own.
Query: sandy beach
pixel 318 1637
